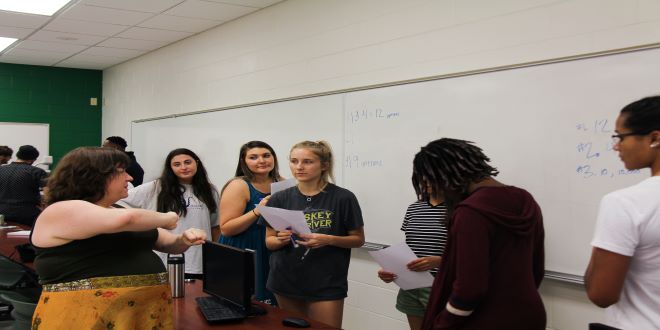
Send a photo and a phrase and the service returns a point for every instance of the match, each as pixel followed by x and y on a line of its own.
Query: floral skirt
pixel 118 302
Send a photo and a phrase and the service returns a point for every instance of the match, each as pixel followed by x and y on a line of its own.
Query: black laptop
pixel 229 279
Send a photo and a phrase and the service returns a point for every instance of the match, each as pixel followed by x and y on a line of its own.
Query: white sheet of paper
pixel 281 219
pixel 281 185
pixel 19 233
pixel 394 260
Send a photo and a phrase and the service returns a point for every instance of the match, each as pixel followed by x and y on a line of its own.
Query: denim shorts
pixel 413 302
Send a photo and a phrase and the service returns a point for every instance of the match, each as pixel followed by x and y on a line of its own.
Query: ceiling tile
pixel 105 15
pixel 97 34
pixel 115 52
pixel 177 23
pixel 22 20
pixel 249 3
pixel 209 10
pixel 50 46
pixel 149 6
pixel 39 54
pixel 132 44
pixel 27 60
pixel 76 26
pixel 94 61
pixel 82 65
pixel 153 34
pixel 71 38
pixel 14 32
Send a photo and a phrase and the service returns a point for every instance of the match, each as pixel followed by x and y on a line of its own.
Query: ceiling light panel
pixel 39 7
pixel 5 42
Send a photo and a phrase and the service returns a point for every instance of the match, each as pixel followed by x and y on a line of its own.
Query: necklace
pixel 309 197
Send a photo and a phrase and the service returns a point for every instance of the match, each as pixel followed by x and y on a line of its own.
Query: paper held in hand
pixel 281 219
pixel 394 260
pixel 282 185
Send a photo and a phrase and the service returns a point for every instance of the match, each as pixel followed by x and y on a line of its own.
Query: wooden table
pixel 8 243
pixel 188 316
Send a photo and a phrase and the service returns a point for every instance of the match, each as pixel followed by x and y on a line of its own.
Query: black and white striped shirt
pixel 425 227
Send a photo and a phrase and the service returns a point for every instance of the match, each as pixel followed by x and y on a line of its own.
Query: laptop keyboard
pixel 215 310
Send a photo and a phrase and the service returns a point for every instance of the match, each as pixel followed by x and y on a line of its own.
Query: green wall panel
pixel 59 97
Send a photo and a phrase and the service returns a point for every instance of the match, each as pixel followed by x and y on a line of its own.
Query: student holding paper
pixel 312 279
pixel 624 269
pixel 493 264
pixel 425 228
pixel 257 169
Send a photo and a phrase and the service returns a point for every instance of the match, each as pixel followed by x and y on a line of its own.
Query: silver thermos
pixel 176 265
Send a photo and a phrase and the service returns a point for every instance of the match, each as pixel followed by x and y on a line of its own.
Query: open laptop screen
pixel 228 273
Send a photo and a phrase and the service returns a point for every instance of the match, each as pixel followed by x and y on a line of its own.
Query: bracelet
pixel 255 213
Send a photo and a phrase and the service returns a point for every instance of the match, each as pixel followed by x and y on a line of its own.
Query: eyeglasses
pixel 618 138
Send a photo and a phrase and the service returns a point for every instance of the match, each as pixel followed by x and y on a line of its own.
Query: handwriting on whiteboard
pixel 354 161
pixel 365 113
pixel 594 146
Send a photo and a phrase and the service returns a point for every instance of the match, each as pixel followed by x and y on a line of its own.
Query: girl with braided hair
pixel 493 263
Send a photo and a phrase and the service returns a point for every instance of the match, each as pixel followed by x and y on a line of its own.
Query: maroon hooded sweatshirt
pixel 493 265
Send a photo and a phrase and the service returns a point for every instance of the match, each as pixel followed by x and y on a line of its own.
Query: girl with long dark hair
pixel 257 168
pixel 183 188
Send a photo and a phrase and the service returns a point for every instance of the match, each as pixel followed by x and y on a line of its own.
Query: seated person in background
pixel 20 199
pixel 5 154
pixel 95 260
pixel 183 188
pixel 134 169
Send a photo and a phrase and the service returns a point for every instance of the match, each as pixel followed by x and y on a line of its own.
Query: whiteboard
pixel 546 128
pixel 217 136
pixel 15 135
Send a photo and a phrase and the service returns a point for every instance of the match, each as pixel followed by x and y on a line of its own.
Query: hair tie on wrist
pixel 255 213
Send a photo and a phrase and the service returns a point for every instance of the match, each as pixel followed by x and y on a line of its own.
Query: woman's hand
pixel 193 236
pixel 424 264
pixel 171 219
pixel 284 236
pixel 262 202
pixel 386 276
pixel 314 241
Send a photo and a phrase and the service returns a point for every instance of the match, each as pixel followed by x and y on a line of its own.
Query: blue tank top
pixel 254 238
pixel 255 197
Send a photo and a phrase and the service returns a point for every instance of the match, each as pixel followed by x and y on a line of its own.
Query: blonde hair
pixel 323 150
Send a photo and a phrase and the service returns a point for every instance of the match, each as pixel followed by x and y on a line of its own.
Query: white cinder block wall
pixel 300 47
